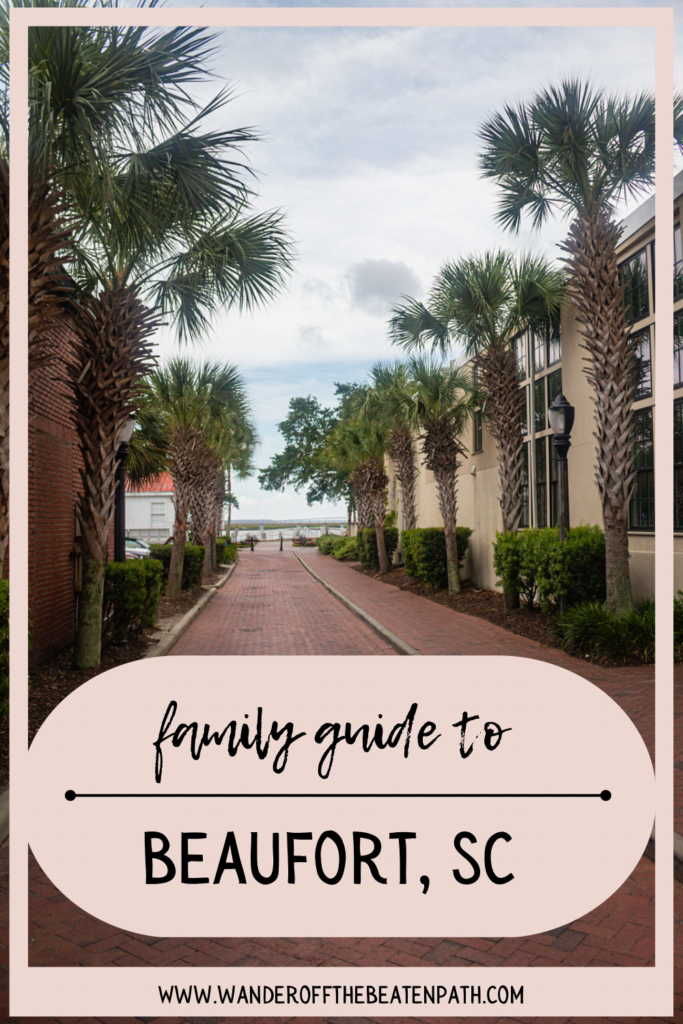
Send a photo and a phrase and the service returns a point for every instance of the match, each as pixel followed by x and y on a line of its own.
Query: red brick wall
pixel 54 486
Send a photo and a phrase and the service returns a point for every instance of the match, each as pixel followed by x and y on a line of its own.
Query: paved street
pixel 272 605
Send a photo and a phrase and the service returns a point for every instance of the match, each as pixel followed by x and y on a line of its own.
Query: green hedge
pixel 588 630
pixel 367 546
pixel 192 563
pixel 325 543
pixel 4 648
pixel 535 564
pixel 424 553
pixel 347 551
pixel 131 597
pixel 226 553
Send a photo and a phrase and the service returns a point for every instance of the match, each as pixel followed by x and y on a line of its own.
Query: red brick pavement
pixel 282 598
pixel 271 605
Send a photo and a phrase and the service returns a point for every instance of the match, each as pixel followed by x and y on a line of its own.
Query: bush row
pixel 589 630
pixel 424 553
pixel 367 546
pixel 192 563
pixel 132 591
pixel 226 552
pixel 536 565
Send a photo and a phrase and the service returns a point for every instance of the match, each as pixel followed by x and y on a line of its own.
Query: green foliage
pixel 226 552
pixel 347 551
pixel 424 553
pixel 590 631
pixel 192 563
pixel 537 565
pixel 678 625
pixel 131 597
pixel 303 463
pixel 325 543
pixel 4 648
pixel 390 519
pixel 367 546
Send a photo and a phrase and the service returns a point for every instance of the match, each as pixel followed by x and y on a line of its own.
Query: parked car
pixel 136 548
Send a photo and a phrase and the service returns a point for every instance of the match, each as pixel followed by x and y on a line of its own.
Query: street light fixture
pixel 561 419
pixel 120 497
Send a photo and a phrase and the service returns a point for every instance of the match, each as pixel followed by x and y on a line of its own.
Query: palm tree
pixel 482 304
pixel 162 229
pixel 439 403
pixel 190 406
pixel 577 151
pixel 239 450
pixel 357 445
pixel 388 384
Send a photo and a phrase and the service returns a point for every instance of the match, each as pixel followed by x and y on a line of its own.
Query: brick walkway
pixel 273 606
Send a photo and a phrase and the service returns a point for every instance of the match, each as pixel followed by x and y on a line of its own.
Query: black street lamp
pixel 561 419
pixel 120 497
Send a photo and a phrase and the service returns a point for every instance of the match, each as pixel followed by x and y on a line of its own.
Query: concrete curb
pixel 168 642
pixel 395 641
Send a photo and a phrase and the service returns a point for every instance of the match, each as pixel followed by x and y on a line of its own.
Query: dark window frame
pixel 629 307
pixel 678 349
pixel 477 432
pixel 642 370
pixel 678 465
pixel 642 504
pixel 541 483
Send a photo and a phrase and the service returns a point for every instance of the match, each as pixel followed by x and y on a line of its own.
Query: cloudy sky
pixel 370 148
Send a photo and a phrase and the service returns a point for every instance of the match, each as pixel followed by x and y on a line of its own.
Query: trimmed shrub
pixel 192 563
pixel 536 564
pixel 367 546
pixel 588 630
pixel 154 573
pixel 424 553
pixel 125 594
pixel 4 648
pixel 347 551
pixel 226 552
pixel 325 544
pixel 231 555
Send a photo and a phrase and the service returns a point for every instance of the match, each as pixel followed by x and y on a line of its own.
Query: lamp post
pixel 120 497
pixel 561 418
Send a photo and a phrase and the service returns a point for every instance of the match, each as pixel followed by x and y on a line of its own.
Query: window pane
pixel 478 433
pixel 554 348
pixel 539 352
pixel 524 517
pixel 642 371
pixel 521 357
pixel 539 399
pixel 554 489
pixel 541 484
pixel 554 386
pixel 525 415
pixel 633 276
pixel 678 348
pixel 678 263
pixel 643 500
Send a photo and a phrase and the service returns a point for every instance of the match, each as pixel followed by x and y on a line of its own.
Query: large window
pixel 525 415
pixel 541 484
pixel 554 386
pixel 678 465
pixel 678 349
pixel 633 276
pixel 642 365
pixel 520 346
pixel 524 517
pixel 478 439
pixel 643 501
pixel 678 263
pixel 554 346
pixel 539 401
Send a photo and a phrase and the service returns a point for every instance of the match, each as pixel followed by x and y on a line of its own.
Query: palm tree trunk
pixel 175 569
pixel 446 488
pixel 112 353
pixel 499 382
pixel 230 502
pixel 598 297
pixel 402 452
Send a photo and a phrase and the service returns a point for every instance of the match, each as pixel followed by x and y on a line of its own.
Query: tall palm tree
pixel 357 445
pixel 162 225
pixel 439 402
pixel 239 450
pixel 574 150
pixel 482 304
pixel 385 399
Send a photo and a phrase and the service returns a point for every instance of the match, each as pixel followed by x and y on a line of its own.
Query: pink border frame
pixel 581 991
